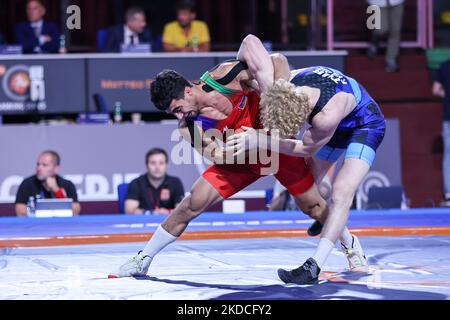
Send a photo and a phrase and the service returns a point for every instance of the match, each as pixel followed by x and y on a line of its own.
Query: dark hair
pixel 156 151
pixel 54 154
pixel 129 14
pixel 38 1
pixel 185 5
pixel 168 85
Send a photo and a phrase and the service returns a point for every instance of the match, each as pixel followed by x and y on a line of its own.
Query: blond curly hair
pixel 283 108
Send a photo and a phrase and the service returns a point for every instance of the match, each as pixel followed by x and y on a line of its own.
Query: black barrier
pixel 42 86
pixel 54 84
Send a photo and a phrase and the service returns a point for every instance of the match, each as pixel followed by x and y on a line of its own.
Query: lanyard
pixel 154 202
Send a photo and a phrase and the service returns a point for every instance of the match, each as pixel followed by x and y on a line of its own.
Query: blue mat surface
pixel 214 221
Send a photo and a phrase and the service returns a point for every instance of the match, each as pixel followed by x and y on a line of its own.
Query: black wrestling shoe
pixel 308 273
pixel 315 229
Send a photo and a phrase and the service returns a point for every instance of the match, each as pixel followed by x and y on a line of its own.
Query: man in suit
pixel 134 31
pixel 37 35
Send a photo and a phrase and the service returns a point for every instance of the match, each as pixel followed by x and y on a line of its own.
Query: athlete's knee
pixel 314 207
pixel 317 211
pixel 325 189
pixel 188 208
pixel 342 196
pixel 199 200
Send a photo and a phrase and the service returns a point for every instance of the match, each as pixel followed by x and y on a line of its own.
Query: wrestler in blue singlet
pixel 361 131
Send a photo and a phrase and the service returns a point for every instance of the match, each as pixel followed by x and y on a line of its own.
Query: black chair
pixel 100 103
pixel 385 197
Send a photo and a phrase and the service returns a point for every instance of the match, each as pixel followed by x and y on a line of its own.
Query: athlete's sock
pixel 323 251
pixel 160 239
pixel 346 238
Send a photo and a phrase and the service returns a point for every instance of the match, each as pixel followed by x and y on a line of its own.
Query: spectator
pixel 441 88
pixel 37 35
pixel 391 24
pixel 134 31
pixel 46 183
pixel 186 34
pixel 154 192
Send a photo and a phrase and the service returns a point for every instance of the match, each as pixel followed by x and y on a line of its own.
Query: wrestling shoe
pixel 308 273
pixel 357 261
pixel 135 267
pixel 315 229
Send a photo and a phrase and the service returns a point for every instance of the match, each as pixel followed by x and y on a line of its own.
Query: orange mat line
pixel 205 235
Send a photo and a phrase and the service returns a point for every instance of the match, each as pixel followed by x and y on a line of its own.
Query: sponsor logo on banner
pixel 90 187
pixel 373 179
pixel 23 87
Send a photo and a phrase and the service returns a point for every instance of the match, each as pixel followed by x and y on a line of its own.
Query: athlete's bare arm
pixel 313 139
pixel 263 67
pixel 280 67
pixel 259 62
pixel 245 79
pixel 324 125
pixel 256 56
pixel 209 148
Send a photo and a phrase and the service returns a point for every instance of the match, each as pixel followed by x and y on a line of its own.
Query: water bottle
pixel 31 208
pixel 195 43
pixel 62 44
pixel 118 112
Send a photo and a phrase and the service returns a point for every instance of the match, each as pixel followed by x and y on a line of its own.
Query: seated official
pixel 154 192
pixel 37 35
pixel 134 31
pixel 186 34
pixel 46 184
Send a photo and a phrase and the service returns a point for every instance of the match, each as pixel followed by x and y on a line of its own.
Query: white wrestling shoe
pixel 135 267
pixel 356 259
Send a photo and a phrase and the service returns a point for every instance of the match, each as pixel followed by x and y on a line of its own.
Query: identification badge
pixel 164 195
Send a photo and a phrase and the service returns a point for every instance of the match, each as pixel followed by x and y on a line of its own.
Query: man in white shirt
pixel 134 31
pixel 391 25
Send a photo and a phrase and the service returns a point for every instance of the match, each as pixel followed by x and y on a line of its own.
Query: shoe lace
pixel 353 255
pixel 138 259
pixel 306 266
pixel 296 272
